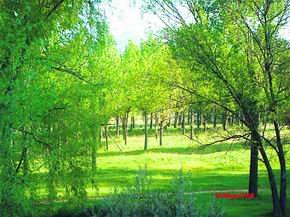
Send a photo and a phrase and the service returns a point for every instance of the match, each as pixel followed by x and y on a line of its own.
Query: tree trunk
pixel 179 119
pixel 125 127
pixel 132 122
pixel 204 123
pixel 117 126
pixel 198 117
pixel 151 121
pixel 253 177
pixel 25 163
pixel 169 121
pixel 107 137
pixel 161 133
pixel 277 211
pixel 156 125
pixel 224 120
pixel 256 142
pixel 145 131
pixel 283 171
pixel 214 119
pixel 176 119
pixel 183 123
pixel 191 124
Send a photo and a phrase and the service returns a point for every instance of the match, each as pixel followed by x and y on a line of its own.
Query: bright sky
pixel 127 22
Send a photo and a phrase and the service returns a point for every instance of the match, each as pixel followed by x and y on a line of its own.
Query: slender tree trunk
pixel 161 133
pixel 224 120
pixel 145 131
pixel 151 121
pixel 183 123
pixel 179 119
pixel 253 177
pixel 191 124
pixel 277 211
pixel 256 142
pixel 125 127
pixel 25 163
pixel 283 171
pixel 198 119
pixel 25 155
pixel 169 121
pixel 214 119
pixel 107 137
pixel 204 123
pixel 132 122
pixel 176 119
pixel 156 125
pixel 117 126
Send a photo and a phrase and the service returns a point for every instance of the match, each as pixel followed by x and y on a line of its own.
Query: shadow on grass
pixel 225 147
pixel 139 130
pixel 199 180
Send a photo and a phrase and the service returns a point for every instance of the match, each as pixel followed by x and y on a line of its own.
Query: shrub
pixel 139 201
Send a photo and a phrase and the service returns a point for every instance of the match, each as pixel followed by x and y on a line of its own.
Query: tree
pixel 40 52
pixel 244 69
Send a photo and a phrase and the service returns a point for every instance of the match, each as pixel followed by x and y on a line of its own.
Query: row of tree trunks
pixel 179 120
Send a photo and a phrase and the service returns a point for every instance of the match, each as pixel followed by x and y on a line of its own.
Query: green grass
pixel 219 167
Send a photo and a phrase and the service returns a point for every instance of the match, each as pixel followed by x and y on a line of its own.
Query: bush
pixel 139 201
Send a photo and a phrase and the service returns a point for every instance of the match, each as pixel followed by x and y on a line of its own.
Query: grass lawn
pixel 222 167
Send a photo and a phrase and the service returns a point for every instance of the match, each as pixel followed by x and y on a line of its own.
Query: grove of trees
pixel 64 84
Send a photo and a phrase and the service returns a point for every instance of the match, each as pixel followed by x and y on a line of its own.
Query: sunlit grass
pixel 219 167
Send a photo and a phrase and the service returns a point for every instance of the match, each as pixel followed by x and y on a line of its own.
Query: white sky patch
pixel 127 22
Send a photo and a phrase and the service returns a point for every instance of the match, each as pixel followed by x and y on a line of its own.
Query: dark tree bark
pixel 224 120
pixel 204 122
pixel 277 210
pixel 183 123
pixel 198 117
pixel 191 124
pixel 253 176
pixel 283 171
pixel 169 121
pixel 125 127
pixel 156 125
pixel 133 122
pixel 176 119
pixel 117 126
pixel 252 121
pixel 107 137
pixel 145 131
pixel 214 118
pixel 151 121
pixel 161 133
